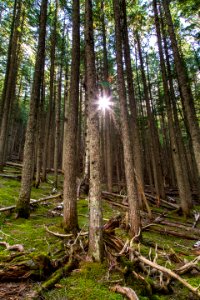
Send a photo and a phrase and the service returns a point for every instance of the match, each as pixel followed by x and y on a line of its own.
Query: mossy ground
pixel 90 281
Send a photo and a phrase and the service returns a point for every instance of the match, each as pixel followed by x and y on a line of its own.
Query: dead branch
pixel 196 218
pixel 125 291
pixel 17 247
pixel 189 266
pixel 60 235
pixel 166 271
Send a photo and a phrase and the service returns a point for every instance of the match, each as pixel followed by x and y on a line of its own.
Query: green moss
pixel 88 283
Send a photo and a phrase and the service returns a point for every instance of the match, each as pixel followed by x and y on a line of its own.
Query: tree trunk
pixel 184 85
pixel 153 138
pixel 134 212
pixel 23 203
pixel 50 110
pixel 182 180
pixel 132 100
pixel 95 223
pixel 70 219
pixel 10 81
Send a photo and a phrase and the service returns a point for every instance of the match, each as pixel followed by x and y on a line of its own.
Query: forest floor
pixel 167 243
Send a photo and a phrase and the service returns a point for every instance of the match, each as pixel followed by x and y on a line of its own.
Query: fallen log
pixel 54 278
pixel 170 232
pixel 172 205
pixel 32 202
pixel 125 291
pixel 17 177
pixel 178 225
pixel 12 164
pixel 26 266
pixel 147 195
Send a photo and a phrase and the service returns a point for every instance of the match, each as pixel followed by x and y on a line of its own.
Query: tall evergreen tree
pixel 23 203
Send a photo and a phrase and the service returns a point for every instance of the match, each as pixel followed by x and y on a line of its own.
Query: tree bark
pixel 184 85
pixel 134 212
pixel 182 180
pixel 23 203
pixel 70 219
pixel 95 223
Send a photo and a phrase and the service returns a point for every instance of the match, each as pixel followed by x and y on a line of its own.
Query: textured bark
pixel 40 133
pixel 108 143
pixel 10 81
pixel 153 138
pixel 50 111
pixel 23 203
pixel 134 213
pixel 182 180
pixel 184 85
pixel 57 129
pixel 95 223
pixel 132 100
pixel 70 219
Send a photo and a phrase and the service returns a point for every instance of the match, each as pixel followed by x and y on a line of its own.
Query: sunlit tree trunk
pixel 106 91
pixel 134 212
pixel 23 203
pixel 51 107
pixel 132 102
pixel 70 219
pixel 95 250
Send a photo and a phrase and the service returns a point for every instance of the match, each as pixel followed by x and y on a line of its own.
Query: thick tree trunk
pixel 134 212
pixel 95 223
pixel 132 100
pixel 70 219
pixel 23 203
pixel 50 110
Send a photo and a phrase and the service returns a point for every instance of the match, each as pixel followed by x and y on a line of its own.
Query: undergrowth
pixel 91 281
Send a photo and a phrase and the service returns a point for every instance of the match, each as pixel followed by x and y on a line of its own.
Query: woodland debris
pixel 166 271
pixel 196 218
pixel 28 266
pixel 13 164
pixel 125 291
pixel 33 202
pixel 61 235
pixel 151 227
pixel 162 201
pixel 152 198
pixel 189 266
pixel 17 177
pixel 17 247
pixel 53 279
